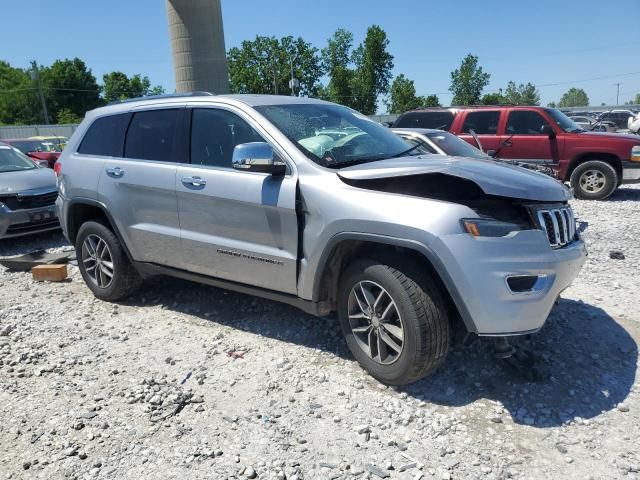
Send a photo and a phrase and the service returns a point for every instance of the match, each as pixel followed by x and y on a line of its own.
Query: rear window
pixel 483 123
pixel 151 135
pixel 105 136
pixel 438 120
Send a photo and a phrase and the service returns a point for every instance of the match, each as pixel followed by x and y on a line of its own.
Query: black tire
pixel 424 319
pixel 125 280
pixel 586 173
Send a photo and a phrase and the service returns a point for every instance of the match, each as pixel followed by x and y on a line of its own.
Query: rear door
pixel 523 139
pixel 138 187
pixel 485 124
pixel 239 226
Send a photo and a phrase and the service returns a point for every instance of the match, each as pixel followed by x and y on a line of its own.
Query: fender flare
pixel 103 208
pixel 419 247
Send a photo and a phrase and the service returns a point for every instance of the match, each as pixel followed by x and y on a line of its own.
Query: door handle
pixel 507 143
pixel 194 181
pixel 115 172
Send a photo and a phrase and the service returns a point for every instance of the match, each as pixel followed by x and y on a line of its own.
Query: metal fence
pixel 24 131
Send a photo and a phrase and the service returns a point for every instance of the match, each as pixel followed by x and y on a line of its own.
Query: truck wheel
pixel 103 263
pixel 394 320
pixel 594 180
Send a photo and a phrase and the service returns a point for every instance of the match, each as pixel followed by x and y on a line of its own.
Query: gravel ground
pixel 186 381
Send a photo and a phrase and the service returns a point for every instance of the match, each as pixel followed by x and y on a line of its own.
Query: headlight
pixel 480 227
pixel 635 153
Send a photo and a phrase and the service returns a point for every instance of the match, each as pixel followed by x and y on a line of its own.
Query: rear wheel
pixel 103 263
pixel 594 180
pixel 394 320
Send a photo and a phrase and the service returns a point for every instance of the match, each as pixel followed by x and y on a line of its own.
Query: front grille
pixel 25 202
pixel 23 228
pixel 558 223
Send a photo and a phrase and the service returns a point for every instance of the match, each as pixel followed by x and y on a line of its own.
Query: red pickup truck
pixel 594 163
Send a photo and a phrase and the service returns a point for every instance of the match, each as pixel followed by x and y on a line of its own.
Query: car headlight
pixel 635 153
pixel 481 227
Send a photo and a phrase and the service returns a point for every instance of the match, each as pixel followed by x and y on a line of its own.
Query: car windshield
pixel 564 122
pixel 12 160
pixel 335 136
pixel 455 146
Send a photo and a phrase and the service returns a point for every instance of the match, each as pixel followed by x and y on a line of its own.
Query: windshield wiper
pixel 405 152
pixel 355 161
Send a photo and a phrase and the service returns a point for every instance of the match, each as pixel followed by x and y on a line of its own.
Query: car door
pixel 485 124
pixel 139 186
pixel 235 225
pixel 523 138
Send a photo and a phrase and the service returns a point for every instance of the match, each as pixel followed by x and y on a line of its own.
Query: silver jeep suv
pixel 313 204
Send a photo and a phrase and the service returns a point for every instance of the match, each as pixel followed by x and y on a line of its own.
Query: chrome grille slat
pixel 558 223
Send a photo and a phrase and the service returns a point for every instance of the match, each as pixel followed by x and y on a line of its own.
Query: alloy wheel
pixel 97 260
pixel 375 322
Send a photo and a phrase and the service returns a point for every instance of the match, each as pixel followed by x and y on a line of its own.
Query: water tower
pixel 197 42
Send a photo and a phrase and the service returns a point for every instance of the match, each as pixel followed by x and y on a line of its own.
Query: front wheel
pixel 394 320
pixel 594 180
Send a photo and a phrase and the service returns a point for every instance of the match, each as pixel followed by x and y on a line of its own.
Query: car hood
pixel 38 178
pixel 492 177
pixel 625 137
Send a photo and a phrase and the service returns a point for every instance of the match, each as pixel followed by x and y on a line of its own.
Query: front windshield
pixel 564 122
pixel 335 136
pixel 455 146
pixel 12 160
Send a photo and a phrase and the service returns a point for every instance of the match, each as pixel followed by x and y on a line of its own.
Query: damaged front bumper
pixel 507 285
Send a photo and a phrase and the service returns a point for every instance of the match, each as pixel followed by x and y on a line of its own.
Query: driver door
pixel 235 225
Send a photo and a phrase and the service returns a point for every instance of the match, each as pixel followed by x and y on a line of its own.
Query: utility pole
pixel 618 92
pixel 35 76
pixel 275 77
pixel 293 83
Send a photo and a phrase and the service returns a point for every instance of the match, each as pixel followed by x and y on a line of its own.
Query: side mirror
pixel 492 153
pixel 42 163
pixel 257 157
pixel 547 130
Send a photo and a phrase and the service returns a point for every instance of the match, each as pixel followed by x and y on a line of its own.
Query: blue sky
pixel 545 42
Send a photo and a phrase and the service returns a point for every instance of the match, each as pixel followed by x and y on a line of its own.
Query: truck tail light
pixel 57 168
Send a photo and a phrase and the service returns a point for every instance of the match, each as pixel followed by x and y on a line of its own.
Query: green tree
pixel 67 116
pixel 523 94
pixel 468 81
pixel 493 98
pixel 551 104
pixel 636 100
pixel 336 62
pixel 19 103
pixel 431 101
pixel 118 86
pixel 69 85
pixel 403 96
pixel 574 97
pixel 264 65
pixel 372 75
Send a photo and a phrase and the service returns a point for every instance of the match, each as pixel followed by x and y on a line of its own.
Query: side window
pixel 439 120
pixel 483 123
pixel 214 135
pixel 151 135
pixel 524 122
pixel 105 136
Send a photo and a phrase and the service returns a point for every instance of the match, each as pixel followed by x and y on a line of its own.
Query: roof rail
pixel 159 97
